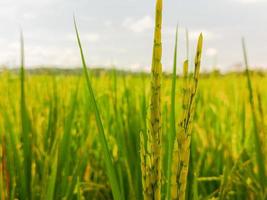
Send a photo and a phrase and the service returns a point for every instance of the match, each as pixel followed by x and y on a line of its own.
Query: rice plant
pixel 151 153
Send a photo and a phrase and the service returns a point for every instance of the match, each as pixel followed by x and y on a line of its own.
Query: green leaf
pixel 111 172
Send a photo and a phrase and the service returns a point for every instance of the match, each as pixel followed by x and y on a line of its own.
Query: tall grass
pixel 107 157
pixel 256 131
pixel 26 134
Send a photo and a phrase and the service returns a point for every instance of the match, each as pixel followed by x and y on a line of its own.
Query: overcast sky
pixel 120 32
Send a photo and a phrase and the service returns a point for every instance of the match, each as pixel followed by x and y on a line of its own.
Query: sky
pixel 120 32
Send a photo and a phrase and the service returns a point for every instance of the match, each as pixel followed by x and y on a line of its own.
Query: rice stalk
pixel 2 173
pixel 5 176
pixel 172 134
pixel 14 163
pixel 143 156
pixel 256 131
pixel 152 173
pixel 176 150
pixel 51 182
pixel 185 128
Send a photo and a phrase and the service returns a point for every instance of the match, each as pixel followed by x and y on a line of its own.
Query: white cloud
pixel 91 37
pixel 170 31
pixel 139 25
pixel 208 35
pixel 135 66
pixel 108 23
pixel 211 52
pixel 2 40
pixel 193 34
pixel 29 16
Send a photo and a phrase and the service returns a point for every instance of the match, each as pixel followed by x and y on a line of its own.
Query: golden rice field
pixel 151 136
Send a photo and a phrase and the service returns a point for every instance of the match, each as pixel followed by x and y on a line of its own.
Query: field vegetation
pixel 112 135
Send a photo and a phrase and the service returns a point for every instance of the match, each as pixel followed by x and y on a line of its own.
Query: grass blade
pixel 172 134
pixel 25 122
pixel 259 153
pixel 111 172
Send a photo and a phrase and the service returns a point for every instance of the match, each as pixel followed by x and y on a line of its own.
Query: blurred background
pixel 120 32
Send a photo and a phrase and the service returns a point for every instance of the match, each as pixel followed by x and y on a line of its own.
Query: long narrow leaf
pixel 26 138
pixel 172 134
pixel 258 148
pixel 108 159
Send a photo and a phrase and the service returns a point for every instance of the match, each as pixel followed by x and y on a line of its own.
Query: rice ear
pixel 152 188
pixel 184 131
